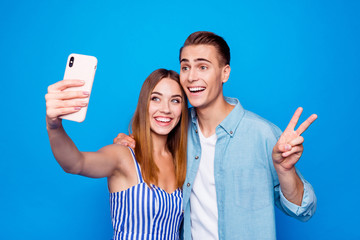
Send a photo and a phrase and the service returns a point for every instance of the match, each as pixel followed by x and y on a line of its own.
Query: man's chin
pixel 197 104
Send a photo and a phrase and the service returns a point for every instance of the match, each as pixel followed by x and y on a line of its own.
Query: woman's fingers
pixel 56 90
pixel 57 112
pixel 66 95
pixel 57 108
pixel 60 102
pixel 66 103
pixel 64 84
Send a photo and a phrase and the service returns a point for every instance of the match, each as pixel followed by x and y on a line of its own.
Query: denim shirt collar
pixel 230 123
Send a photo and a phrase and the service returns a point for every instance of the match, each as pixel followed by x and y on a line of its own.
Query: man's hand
pixel 125 140
pixel 286 153
pixel 289 148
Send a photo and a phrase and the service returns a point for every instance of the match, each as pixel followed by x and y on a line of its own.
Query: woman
pixel 145 186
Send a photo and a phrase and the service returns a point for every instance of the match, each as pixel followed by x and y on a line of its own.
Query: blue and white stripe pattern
pixel 141 212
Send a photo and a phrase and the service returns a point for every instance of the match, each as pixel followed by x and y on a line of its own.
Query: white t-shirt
pixel 204 211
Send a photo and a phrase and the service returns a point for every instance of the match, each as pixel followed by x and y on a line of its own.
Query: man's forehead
pixel 198 52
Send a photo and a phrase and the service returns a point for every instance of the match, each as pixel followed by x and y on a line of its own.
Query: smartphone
pixel 80 67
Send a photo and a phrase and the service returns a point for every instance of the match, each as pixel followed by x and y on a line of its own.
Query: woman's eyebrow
pixel 176 95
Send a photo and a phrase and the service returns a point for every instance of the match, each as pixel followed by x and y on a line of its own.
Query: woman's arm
pixel 91 164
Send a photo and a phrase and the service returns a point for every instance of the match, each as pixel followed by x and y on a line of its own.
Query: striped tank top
pixel 141 212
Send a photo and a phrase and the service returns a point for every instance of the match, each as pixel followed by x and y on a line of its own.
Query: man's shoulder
pixel 257 123
pixel 257 119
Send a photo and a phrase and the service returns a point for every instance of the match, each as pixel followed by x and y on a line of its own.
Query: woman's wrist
pixel 53 124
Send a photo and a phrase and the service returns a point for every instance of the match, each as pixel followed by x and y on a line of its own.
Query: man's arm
pixel 286 153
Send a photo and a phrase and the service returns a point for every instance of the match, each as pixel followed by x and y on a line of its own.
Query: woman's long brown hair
pixel 177 138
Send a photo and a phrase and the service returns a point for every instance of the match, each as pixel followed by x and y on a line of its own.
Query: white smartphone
pixel 80 67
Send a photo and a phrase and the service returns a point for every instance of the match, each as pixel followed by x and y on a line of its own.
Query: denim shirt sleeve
pixel 308 204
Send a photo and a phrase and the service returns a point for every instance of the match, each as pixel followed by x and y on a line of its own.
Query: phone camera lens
pixel 71 62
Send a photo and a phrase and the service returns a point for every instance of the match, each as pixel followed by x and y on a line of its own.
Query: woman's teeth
pixel 160 119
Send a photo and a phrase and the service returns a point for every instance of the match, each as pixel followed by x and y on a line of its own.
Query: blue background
pixel 285 54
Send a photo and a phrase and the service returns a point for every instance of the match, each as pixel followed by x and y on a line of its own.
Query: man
pixel 239 165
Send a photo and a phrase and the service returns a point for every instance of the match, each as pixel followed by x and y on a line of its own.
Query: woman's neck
pixel 159 144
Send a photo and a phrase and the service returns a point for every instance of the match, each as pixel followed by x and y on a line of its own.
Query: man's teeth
pixel 196 89
pixel 163 119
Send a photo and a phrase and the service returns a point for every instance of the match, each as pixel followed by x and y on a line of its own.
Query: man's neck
pixel 211 116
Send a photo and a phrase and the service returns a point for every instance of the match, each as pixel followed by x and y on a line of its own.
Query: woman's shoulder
pixel 116 148
pixel 119 152
pixel 124 175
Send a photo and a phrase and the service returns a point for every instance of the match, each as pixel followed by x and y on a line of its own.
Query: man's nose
pixel 193 76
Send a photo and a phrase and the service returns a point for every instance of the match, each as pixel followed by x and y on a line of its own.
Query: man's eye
pixel 185 68
pixel 203 67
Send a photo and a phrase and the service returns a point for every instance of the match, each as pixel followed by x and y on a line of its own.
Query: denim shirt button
pixel 188 184
pixel 231 132
pixel 196 130
pixel 197 157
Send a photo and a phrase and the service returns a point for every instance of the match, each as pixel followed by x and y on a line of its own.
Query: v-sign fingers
pixel 306 124
pixel 295 118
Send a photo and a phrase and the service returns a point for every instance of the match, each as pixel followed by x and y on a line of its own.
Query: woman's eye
pixel 176 101
pixel 155 99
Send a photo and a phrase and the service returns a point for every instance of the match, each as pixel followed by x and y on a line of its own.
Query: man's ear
pixel 226 73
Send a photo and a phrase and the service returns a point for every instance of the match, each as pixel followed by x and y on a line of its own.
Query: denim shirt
pixel 247 185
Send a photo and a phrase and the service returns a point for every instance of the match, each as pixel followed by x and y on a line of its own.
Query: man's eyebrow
pixel 196 60
pixel 202 59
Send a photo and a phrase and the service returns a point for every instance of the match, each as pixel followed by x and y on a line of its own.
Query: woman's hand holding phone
pixel 60 102
pixel 69 98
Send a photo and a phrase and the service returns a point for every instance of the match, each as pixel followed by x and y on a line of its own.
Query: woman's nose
pixel 165 107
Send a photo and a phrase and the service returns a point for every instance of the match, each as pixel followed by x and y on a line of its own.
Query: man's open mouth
pixel 196 89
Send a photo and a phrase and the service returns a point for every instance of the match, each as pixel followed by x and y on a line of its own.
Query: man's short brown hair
pixel 209 38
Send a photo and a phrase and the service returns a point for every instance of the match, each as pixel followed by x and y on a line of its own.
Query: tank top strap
pixel 137 167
